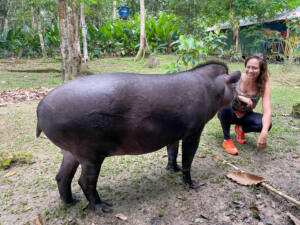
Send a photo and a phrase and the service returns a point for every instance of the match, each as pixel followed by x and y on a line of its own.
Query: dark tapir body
pixel 97 116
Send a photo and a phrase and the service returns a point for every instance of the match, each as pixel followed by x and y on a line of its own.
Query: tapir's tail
pixel 38 130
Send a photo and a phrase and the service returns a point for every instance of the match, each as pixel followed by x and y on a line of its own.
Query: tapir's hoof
pixel 72 201
pixel 101 208
pixel 192 185
pixel 173 168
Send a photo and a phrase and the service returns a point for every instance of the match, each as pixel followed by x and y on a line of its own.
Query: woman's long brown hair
pixel 264 72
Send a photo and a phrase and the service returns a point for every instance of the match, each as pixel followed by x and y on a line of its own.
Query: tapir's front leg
pixel 189 148
pixel 172 156
pixel 65 175
pixel 88 182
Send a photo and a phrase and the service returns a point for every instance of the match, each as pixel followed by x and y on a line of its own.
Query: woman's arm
pixel 267 117
pixel 246 100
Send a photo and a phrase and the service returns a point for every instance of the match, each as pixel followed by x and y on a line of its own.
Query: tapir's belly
pixel 107 135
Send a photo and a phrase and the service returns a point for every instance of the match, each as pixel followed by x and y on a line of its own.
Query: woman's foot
pixel 229 147
pixel 240 136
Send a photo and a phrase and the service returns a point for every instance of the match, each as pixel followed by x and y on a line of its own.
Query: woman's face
pixel 252 69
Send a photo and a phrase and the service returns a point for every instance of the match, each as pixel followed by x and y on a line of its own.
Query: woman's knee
pixel 225 113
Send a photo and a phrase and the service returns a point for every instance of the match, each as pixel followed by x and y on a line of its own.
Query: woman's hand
pixel 247 100
pixel 262 141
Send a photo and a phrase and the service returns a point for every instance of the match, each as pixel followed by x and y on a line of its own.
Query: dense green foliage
pixel 26 42
pixel 109 36
pixel 192 51
pixel 120 37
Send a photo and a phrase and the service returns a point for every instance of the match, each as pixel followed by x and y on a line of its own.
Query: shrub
pixel 192 51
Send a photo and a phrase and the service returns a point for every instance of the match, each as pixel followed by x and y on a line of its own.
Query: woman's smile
pixel 252 69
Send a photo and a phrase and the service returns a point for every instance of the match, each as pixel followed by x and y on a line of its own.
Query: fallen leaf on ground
pixel 296 156
pixel 218 157
pixel 294 219
pixel 254 208
pixel 201 156
pixel 121 216
pixel 9 174
pixel 245 178
pixel 285 115
pixel 22 94
pixel 179 197
pixel 38 220
pixel 165 155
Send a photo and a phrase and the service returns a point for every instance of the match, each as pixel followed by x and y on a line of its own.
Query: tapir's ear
pixel 232 78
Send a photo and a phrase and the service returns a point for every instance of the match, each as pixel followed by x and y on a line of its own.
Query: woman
pixel 253 85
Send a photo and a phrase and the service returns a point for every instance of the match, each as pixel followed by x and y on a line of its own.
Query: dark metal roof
pixel 251 21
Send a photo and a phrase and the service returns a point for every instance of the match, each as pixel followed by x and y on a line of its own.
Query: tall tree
pixel 32 19
pixel 38 19
pixel 143 42
pixel 84 31
pixel 69 39
pixel 114 14
pixel 5 7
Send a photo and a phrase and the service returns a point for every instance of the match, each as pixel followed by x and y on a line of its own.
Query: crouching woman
pixel 253 85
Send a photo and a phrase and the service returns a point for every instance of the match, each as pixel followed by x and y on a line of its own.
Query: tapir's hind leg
pixel 65 175
pixel 172 156
pixel 88 182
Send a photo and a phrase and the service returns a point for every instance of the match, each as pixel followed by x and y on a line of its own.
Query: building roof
pixel 248 21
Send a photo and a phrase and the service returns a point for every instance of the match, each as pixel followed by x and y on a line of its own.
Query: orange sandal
pixel 240 136
pixel 229 147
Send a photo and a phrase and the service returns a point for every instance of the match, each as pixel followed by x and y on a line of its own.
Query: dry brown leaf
pixel 296 156
pixel 201 156
pixel 245 178
pixel 121 216
pixel 9 174
pixel 38 220
pixel 179 197
pixel 294 219
pixel 22 94
pixel 165 155
pixel 254 208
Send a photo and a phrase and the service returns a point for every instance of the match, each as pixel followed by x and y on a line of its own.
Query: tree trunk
pixel 98 16
pixel 69 39
pixel 23 16
pixel 75 41
pixel 237 41
pixel 141 51
pixel 114 10
pixel 235 30
pixel 64 42
pixel 32 17
pixel 83 27
pixel 5 26
pixel 38 19
pixel 5 19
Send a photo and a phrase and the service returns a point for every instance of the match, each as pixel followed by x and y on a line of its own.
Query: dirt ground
pixel 141 189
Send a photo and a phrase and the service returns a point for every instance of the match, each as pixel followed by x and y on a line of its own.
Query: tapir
pixel 97 116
